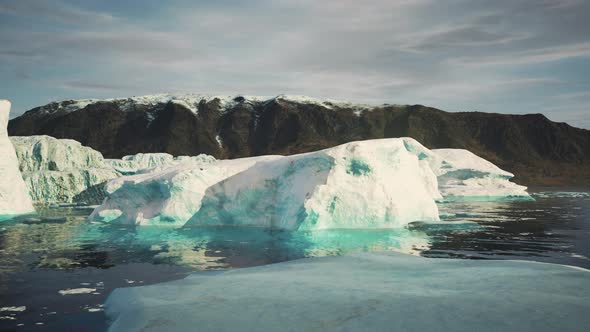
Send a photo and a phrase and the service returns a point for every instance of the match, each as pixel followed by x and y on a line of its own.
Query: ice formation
pixel 61 170
pixel 463 175
pixel 366 184
pixel 363 292
pixel 65 171
pixel 143 162
pixel 14 197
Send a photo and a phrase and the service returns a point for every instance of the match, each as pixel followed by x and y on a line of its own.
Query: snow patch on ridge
pixel 191 101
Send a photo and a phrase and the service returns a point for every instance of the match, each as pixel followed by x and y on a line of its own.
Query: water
pixel 60 251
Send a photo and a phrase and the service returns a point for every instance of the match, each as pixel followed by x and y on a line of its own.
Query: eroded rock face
pixel 14 197
pixel 537 150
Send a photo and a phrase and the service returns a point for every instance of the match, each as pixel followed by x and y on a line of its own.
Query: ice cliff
pixel 14 198
pixel 65 171
pixel 62 170
pixel 384 183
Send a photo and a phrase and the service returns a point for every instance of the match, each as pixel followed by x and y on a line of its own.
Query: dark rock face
pixel 537 150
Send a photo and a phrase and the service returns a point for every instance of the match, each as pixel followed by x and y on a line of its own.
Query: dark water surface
pixel 60 251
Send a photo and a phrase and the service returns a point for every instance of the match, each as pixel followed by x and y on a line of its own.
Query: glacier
pixel 360 292
pixel 14 197
pixel 383 183
pixel 62 170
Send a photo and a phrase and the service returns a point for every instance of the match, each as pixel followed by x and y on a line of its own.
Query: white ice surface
pixel 77 291
pixel 363 292
pixel 61 170
pixel 14 196
pixel 368 184
pixel 464 175
pixel 143 162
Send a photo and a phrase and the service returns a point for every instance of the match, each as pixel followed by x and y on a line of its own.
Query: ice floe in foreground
pixel 383 183
pixel 363 292
pixel 14 197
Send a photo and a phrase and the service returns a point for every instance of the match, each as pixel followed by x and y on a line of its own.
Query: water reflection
pixel 59 249
pixel 75 243
pixel 553 228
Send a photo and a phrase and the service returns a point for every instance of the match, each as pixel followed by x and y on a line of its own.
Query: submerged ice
pixel 370 291
pixel 14 197
pixel 384 183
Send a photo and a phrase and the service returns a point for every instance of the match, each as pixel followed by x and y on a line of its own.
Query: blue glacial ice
pixel 368 184
pixel 363 292
pixel 384 183
pixel 14 196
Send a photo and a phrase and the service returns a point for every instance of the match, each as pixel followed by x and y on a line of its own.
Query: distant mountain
pixel 539 151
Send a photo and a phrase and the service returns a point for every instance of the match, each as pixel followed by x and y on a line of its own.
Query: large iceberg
pixel 383 183
pixel 62 170
pixel 14 197
pixel 367 184
pixel 363 292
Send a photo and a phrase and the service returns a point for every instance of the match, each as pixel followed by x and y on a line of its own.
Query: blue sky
pixel 527 56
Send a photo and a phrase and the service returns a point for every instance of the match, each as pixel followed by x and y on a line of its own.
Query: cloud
pixel 55 11
pixel 502 55
pixel 527 57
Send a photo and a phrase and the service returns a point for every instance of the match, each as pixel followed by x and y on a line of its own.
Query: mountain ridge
pixel 538 151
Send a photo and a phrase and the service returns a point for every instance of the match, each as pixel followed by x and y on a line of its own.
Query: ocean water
pixel 56 270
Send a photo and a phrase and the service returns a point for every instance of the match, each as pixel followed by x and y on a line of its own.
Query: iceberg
pixel 385 183
pixel 465 176
pixel 143 162
pixel 367 184
pixel 462 175
pixel 62 170
pixel 65 171
pixel 14 197
pixel 363 292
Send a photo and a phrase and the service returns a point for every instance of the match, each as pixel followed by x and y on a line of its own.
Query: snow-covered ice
pixel 363 292
pixel 14 196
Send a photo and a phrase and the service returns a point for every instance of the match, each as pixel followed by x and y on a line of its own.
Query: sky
pixel 504 56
